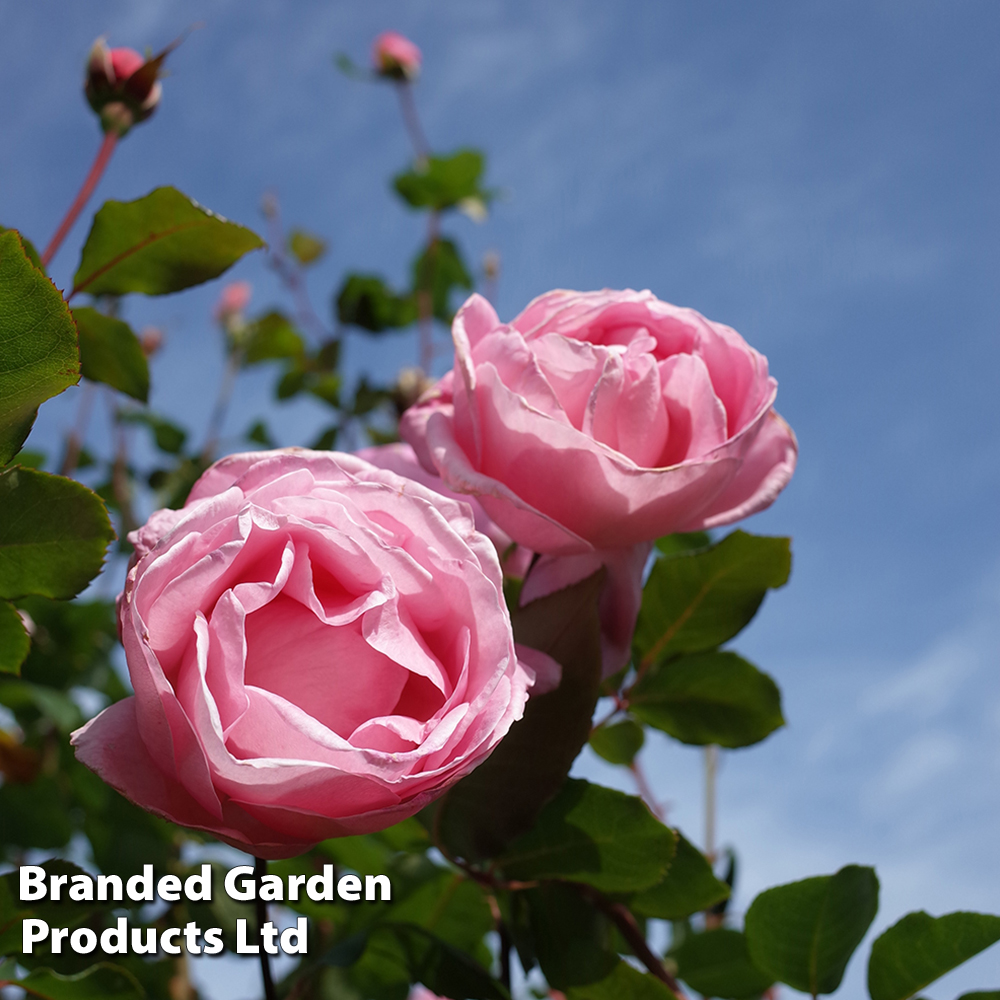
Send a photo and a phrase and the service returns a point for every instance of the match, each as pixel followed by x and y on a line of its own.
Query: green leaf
pixel 158 244
pixel 718 964
pixel 619 743
pixel 270 337
pixel 624 983
pixel 29 249
pixel 111 353
pixel 805 933
pixel 441 182
pixel 168 436
pixel 305 247
pixel 715 697
pixel 920 948
pixel 14 640
pixel 441 968
pixel 697 600
pixel 573 941
pixel 981 995
pixel 436 271
pixel 672 545
pixel 689 886
pixel 53 534
pixel 365 300
pixel 103 981
pixel 504 795
pixel 595 835
pixel 38 354
pixel 34 815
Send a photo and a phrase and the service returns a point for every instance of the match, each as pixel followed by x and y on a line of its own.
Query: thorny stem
pixel 425 303
pixel 619 914
pixel 260 870
pixel 96 171
pixel 411 120
pixel 645 792
pixel 233 362
pixel 711 769
pixel 75 438
pixel 290 272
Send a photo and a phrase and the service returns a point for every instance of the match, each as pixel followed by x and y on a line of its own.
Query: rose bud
pixel 603 420
pixel 235 297
pixel 121 86
pixel 396 57
pixel 318 648
pixel 151 340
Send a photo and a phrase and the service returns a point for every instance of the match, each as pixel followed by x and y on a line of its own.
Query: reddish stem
pixel 96 171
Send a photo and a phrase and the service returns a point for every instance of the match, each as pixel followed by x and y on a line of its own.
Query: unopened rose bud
pixel 410 386
pixel 234 299
pixel 396 57
pixel 122 86
pixel 151 340
pixel 491 265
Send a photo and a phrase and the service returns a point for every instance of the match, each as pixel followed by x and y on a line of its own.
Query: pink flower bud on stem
pixel 396 57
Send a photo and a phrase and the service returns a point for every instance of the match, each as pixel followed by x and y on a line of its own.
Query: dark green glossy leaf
pixel 981 995
pixel 38 353
pixel 624 983
pixel 573 940
pixel 805 933
pixel 34 815
pixel 689 887
pixel 697 600
pixel 920 948
pixel 158 244
pixel 437 271
pixel 441 182
pixel 53 534
pixel 306 248
pixel 103 981
pixel 595 835
pixel 72 645
pixel 441 968
pixel 272 337
pixel 704 698
pixel 718 964
pixel 111 353
pixel 14 640
pixel 618 743
pixel 504 795
pixel 366 301
pixel 168 436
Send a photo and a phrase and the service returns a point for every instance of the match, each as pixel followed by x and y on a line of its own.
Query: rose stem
pixel 74 440
pixel 625 922
pixel 411 120
pixel 103 156
pixel 232 369
pixel 259 871
pixel 711 768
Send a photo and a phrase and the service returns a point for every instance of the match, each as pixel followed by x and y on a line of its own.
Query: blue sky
pixel 820 176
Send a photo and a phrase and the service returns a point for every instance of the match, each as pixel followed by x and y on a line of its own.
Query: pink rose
pixel 620 596
pixel 395 56
pixel 600 420
pixel 318 648
pixel 115 88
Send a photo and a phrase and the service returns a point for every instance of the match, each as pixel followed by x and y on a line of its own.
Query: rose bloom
pixel 394 55
pixel 318 648
pixel 621 593
pixel 601 420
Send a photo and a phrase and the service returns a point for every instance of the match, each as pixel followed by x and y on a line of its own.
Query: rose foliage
pixel 387 656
